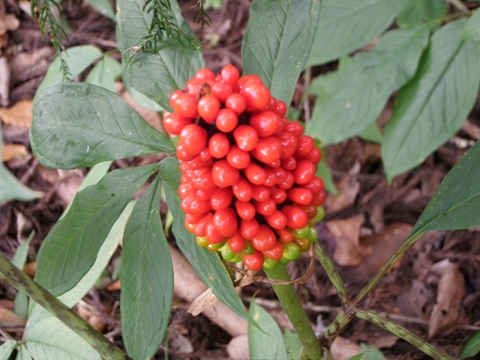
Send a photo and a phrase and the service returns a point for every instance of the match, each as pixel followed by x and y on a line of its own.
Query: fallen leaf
pixel 447 310
pixel 8 22
pixel 9 319
pixel 343 349
pixel 19 114
pixel 346 232
pixel 203 301
pixel 12 150
pixel 114 286
pixel 348 188
pixel 68 185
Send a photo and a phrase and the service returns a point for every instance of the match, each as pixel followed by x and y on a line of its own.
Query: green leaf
pixel 277 41
pixel 434 104
pixel 264 340
pixel 455 204
pixel 356 357
pixel 20 257
pixel 105 73
pixel 147 278
pixel 78 58
pixel 371 353
pixel 103 7
pixel 6 349
pixel 206 264
pixel 10 187
pixel 71 297
pixel 356 95
pixel 47 338
pixel 346 25
pixel 78 125
pixel 472 347
pixel 71 247
pixel 371 133
pixel 141 99
pixel 155 75
pixel 292 344
pixel 23 354
pixel 417 11
pixel 471 31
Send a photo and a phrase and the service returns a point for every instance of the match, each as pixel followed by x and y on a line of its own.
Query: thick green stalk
pixel 294 310
pixel 24 283
pixel 403 333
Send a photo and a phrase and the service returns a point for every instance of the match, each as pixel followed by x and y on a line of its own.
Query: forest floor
pixel 365 223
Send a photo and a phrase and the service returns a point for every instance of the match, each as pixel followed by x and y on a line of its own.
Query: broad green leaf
pixel 105 73
pixel 346 25
pixel 48 338
pixel 141 99
pixel 23 354
pixel 371 353
pixel 292 344
pixel 70 249
pixel 417 11
pixel 471 31
pixel 19 259
pixel 103 7
pixel 71 297
pixel 78 125
pixel 265 340
pixel 472 347
pixel 434 104
pixel 10 187
pixel 147 278
pixel 371 133
pixel 324 172
pixel 356 95
pixel 155 75
pixel 206 264
pixel 77 58
pixel 6 349
pixel 277 41
pixel 455 204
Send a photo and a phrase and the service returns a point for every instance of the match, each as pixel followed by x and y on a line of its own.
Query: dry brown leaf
pixel 114 286
pixel 9 319
pixel 30 268
pixel 447 310
pixel 8 22
pixel 12 150
pixel 48 174
pixel 19 114
pixel 68 185
pixel 346 232
pixel 348 188
pixel 203 301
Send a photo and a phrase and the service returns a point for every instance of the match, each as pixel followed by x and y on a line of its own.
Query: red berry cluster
pixel 248 184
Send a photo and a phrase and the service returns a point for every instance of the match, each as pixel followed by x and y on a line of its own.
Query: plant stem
pixel 294 310
pixel 336 327
pixel 403 333
pixel 24 283
pixel 332 273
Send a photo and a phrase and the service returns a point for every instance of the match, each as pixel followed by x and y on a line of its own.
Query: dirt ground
pixel 364 225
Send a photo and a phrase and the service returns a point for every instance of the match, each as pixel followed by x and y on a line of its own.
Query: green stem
pixel 294 310
pixel 336 327
pixel 403 333
pixel 24 283
pixel 332 274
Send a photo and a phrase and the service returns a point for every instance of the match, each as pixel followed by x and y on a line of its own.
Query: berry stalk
pixel 295 312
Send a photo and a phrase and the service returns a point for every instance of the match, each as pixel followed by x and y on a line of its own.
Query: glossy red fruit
pixel 226 121
pixel 242 189
pixel 256 95
pixel 205 74
pixel 271 179
pixel 255 174
pixel 238 158
pixel 315 156
pixel 249 228
pixel 246 137
pixel 300 196
pixel 279 196
pixel 305 146
pixel 193 138
pixel 265 238
pixel 208 107
pixel 268 150
pixel 289 144
pixel 304 172
pixel 296 217
pixel 245 209
pixel 253 79
pixel 201 226
pixel 265 208
pixel 275 252
pixel 224 174
pixel 285 235
pixel 204 181
pixel 289 163
pixel 265 123
pixel 315 184
pixel 186 189
pixel 277 220
pixel 230 74
pixel 174 123
pixel 287 182
pixel 225 221
pixel 319 198
pixel 219 146
pixel 236 103
pixel 221 90
pixel 236 242
pixel 213 236
pixel 260 193
pixel 194 86
pixel 255 261
pixel 221 198
pixel 281 108
pixel 185 104
pixel 295 128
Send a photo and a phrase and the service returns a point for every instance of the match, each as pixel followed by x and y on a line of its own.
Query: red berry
pixel 281 108
pixel 256 95
pixel 208 107
pixel 238 158
pixel 289 144
pixel 260 193
pixel 236 242
pixel 305 146
pixel 227 120
pixel 224 174
pixel 277 220
pixel 265 238
pixel 185 104
pixel 219 145
pixel 245 209
pixel 246 137
pixel 194 86
pixel 255 174
pixel 296 217
pixel 265 208
pixel 236 103
pixel 265 123
pixel 221 198
pixel 221 90
pixel 225 221
pixel 295 128
pixel 193 138
pixel 249 228
pixel 276 252
pixel 242 189
pixel 304 172
pixel 230 74
pixel 268 150
pixel 205 74
pixel 255 261
pixel 300 196
pixel 174 123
